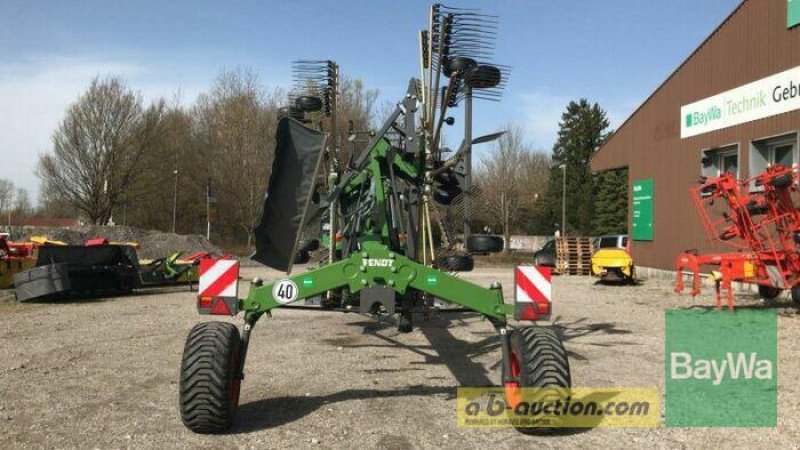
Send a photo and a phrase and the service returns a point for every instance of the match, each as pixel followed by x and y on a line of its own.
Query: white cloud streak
pixel 35 93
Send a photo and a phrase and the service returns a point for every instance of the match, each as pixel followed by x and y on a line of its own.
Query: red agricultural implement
pixel 759 222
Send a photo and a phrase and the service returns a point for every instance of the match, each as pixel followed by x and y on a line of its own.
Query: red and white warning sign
pixel 219 278
pixel 219 287
pixel 533 293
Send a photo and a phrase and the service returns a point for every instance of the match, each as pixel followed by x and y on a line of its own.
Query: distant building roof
pixel 23 221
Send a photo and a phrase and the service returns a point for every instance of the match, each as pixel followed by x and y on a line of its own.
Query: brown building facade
pixel 733 105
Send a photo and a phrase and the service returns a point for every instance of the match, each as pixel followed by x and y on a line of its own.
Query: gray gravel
pixel 103 373
pixel 152 243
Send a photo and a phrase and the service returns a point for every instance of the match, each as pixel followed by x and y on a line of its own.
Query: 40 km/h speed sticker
pixel 284 292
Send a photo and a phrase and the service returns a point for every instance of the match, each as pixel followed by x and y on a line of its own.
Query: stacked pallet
pixel 574 255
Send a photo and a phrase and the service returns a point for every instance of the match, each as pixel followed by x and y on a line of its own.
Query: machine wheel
pixel 404 323
pixel 796 296
pixel 457 63
pixel 484 243
pixel 210 381
pixel 308 103
pixel 538 359
pixel 457 263
pixel 443 198
pixel 769 292
pixel 781 181
pixel 301 257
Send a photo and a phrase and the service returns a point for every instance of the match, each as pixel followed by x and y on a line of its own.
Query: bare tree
pixel 235 125
pixel 98 149
pixel 6 196
pixel 356 107
pixel 22 203
pixel 502 177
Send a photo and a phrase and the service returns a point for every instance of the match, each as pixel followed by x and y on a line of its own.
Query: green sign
pixel 643 210
pixel 792 13
pixel 721 368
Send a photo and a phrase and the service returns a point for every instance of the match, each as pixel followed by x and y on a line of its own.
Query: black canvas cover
pixel 84 256
pixel 95 267
pixel 291 185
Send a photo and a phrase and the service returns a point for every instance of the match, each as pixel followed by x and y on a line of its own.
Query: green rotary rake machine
pixel 372 215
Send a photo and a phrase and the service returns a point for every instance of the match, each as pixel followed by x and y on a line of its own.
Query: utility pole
pixel 175 197
pixel 208 209
pixel 564 200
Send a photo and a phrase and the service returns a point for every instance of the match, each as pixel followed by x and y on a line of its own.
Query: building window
pixel 717 161
pixel 775 150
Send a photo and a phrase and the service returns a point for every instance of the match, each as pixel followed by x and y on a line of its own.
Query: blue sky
pixel 614 52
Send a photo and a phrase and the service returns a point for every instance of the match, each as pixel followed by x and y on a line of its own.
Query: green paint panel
pixel 643 196
pixel 721 368
pixel 792 13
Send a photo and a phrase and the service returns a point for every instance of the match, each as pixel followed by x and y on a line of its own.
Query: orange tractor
pixel 759 223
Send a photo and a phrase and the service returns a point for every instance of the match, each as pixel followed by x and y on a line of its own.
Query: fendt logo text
pixel 373 262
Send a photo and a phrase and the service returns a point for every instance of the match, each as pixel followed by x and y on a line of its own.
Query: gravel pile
pixel 152 243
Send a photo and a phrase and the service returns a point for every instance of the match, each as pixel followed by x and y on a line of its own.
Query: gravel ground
pixel 103 373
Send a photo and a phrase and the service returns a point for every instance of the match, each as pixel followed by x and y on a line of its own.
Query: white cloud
pixel 35 92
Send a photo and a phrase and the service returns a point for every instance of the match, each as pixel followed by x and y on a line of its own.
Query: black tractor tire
pixel 456 263
pixel 308 103
pixel 443 197
pixel 457 64
pixel 539 360
pixel 310 245
pixel 483 76
pixel 210 377
pixel 302 257
pixel 404 323
pixel 485 243
pixel 769 292
pixel 796 296
pixel 291 111
pixel 781 181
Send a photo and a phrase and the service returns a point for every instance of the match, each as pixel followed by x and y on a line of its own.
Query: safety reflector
pixel 204 302
pixel 533 292
pixel 219 285
pixel 220 308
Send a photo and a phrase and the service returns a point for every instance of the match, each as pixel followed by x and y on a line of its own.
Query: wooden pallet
pixel 574 255
pixel 574 271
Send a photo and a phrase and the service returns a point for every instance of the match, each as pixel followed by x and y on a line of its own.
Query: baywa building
pixel 732 106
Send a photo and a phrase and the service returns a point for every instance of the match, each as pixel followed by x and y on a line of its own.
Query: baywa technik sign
pixel 766 97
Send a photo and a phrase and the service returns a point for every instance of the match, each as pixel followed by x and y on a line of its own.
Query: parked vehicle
pixel 611 260
pixel 546 256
